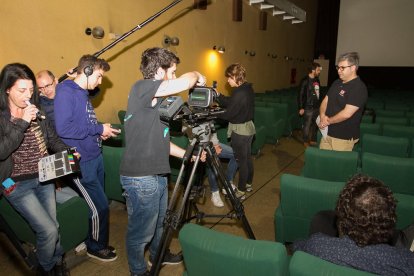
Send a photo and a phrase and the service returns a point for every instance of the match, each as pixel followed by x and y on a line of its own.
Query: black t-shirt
pixel 147 137
pixel 340 94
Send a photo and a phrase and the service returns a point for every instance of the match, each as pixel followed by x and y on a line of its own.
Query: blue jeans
pixel 36 203
pixel 92 189
pixel 226 153
pixel 146 201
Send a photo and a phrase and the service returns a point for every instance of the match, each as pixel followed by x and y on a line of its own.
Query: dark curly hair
pixel 154 58
pixel 366 211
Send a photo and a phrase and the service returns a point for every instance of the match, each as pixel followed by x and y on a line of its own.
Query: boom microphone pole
pixel 125 35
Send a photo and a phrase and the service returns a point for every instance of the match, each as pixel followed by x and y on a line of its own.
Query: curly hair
pixel 154 58
pixel 236 71
pixel 366 211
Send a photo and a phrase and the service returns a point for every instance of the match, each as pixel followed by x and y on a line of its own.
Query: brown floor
pixel 259 207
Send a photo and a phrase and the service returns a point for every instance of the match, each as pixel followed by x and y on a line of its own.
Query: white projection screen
pixel 381 31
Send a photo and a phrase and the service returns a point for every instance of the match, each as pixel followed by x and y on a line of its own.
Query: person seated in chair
pixel 366 217
pixel 25 139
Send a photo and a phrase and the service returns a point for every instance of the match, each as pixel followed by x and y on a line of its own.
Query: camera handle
pixel 174 217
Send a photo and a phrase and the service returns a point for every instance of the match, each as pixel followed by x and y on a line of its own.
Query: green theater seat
pixel 330 165
pixel 112 160
pixel 273 125
pixel 300 199
pixel 384 145
pixel 395 172
pixel 72 216
pixel 209 252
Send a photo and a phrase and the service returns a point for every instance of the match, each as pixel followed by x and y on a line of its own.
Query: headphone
pixel 88 70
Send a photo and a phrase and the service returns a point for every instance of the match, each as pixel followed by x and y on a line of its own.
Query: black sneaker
pixel 41 272
pixel 111 248
pixel 104 255
pixel 146 273
pixel 60 269
pixel 169 259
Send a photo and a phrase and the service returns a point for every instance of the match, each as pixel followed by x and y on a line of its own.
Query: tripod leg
pixel 173 217
pixel 215 165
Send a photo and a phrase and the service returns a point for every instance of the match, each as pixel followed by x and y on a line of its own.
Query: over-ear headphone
pixel 88 70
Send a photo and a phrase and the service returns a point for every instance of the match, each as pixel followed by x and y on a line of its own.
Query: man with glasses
pixel 46 83
pixel 341 110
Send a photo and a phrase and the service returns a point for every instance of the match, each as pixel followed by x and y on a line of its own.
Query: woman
pixel 239 113
pixel 26 139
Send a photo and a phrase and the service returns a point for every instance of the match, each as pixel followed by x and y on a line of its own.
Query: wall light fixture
pixel 219 49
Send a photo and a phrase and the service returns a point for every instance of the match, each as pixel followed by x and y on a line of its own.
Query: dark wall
pixel 388 77
pixel 327 33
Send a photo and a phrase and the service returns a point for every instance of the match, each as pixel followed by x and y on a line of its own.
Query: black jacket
pixel 11 136
pixel 307 98
pixel 240 106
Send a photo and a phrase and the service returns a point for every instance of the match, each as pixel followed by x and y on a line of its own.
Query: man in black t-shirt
pixel 145 163
pixel 341 110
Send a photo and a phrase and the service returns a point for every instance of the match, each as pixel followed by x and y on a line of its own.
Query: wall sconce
pixel 251 53
pixel 219 49
pixel 97 32
pixel 170 41
pixel 274 56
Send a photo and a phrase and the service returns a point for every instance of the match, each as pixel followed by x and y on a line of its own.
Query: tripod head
pixel 203 131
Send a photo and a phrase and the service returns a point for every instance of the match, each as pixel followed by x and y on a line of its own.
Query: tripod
pixel 177 210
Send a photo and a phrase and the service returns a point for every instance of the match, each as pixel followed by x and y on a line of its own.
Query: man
pixel 365 220
pixel 145 163
pixel 46 82
pixel 77 125
pixel 341 110
pixel 309 102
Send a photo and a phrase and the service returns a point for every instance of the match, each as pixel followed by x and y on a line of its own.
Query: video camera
pixel 202 97
pixel 198 109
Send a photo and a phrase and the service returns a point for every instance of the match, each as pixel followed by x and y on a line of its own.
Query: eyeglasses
pixel 47 86
pixel 342 68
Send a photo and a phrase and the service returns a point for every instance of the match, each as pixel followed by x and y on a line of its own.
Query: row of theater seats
pixel 302 197
pixel 385 139
pixel 208 252
pixel 396 172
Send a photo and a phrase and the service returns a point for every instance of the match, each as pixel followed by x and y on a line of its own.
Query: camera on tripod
pixel 197 110
pixel 202 97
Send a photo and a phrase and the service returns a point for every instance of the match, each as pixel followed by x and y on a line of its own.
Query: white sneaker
pixel 216 199
pixel 80 247
pixel 232 186
pixel 249 188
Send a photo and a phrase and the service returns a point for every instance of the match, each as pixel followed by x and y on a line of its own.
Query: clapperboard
pixel 57 165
